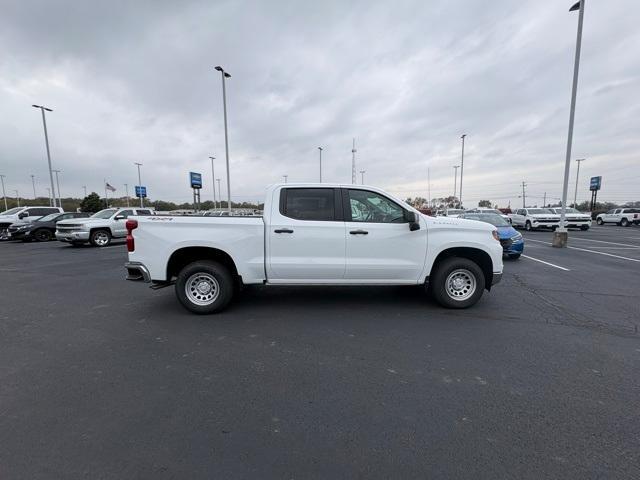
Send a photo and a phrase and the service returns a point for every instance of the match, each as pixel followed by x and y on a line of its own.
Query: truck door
pixel 380 245
pixel 306 236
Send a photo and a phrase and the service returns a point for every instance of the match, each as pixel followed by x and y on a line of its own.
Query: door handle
pixel 283 230
pixel 359 232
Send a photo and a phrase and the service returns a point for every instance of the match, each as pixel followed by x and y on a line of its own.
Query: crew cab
pixel 23 214
pixel 315 234
pixel 534 218
pixel 620 216
pixel 574 218
pixel 43 229
pixel 100 228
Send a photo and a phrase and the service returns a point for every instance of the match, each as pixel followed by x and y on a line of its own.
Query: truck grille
pixel 68 228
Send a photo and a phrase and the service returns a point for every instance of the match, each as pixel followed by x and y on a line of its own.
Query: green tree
pixel 484 203
pixel 91 203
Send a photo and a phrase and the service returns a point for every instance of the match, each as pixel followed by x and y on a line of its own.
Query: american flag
pixel 109 187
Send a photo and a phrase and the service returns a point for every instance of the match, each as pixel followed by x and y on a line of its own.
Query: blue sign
pixel 595 184
pixel 196 179
pixel 141 191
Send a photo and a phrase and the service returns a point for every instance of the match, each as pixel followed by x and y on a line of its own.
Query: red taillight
pixel 131 225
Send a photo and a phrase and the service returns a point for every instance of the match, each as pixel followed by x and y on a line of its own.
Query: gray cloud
pixel 133 81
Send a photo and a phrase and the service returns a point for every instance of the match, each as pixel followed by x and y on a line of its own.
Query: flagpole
pixel 106 197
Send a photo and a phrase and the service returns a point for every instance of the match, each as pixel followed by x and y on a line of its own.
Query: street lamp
pixel 213 182
pixel 362 172
pixel 561 235
pixel 320 151
pixel 225 75
pixel 58 187
pixel 575 194
pixel 140 184
pixel 455 181
pixel 219 192
pixel 46 141
pixel 4 195
pixel 462 167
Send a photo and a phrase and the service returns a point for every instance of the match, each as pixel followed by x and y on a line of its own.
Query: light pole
pixel 561 235
pixel 219 192
pixel 46 141
pixel 226 134
pixel 213 182
pixel 4 195
pixel 362 172
pixel 455 182
pixel 49 196
pixel 140 184
pixel 575 194
pixel 462 167
pixel 33 182
pixel 17 197
pixel 126 192
pixel 320 151
pixel 58 187
pixel 285 178
pixel 353 162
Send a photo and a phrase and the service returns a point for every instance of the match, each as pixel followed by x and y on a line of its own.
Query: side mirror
pixel 23 214
pixel 412 218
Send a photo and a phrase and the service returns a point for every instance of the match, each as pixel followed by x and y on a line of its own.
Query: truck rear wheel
pixel 204 287
pixel 457 283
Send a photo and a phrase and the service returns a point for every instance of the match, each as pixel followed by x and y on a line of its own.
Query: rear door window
pixel 317 204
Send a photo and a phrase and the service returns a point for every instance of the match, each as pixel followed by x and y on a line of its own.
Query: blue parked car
pixel 510 239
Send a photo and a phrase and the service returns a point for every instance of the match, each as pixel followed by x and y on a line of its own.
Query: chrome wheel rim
pixel 460 284
pixel 101 238
pixel 202 289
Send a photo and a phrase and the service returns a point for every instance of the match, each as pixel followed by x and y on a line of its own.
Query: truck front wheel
pixel 457 283
pixel 100 238
pixel 204 287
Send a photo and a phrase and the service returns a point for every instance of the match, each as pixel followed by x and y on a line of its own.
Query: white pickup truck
pixel 315 234
pixel 574 218
pixel 534 218
pixel 620 216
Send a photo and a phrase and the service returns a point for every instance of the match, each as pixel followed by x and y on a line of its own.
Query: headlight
pixel 495 235
pixel 516 237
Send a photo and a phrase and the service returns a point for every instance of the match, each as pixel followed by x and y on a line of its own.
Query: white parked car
pixel 23 214
pixel 100 228
pixel 489 210
pixel 315 234
pixel 534 218
pixel 453 212
pixel 574 218
pixel 620 216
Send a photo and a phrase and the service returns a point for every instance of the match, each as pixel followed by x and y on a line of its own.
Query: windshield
pixel 12 211
pixel 492 218
pixel 539 210
pixel 51 216
pixel 568 210
pixel 106 213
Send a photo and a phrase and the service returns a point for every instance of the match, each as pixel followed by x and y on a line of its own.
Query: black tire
pixel 208 273
pixel 527 226
pixel 584 228
pixel 447 267
pixel 599 221
pixel 514 256
pixel 624 222
pixel 42 235
pixel 100 238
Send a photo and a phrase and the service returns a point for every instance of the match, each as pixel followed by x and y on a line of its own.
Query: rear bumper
pixel 72 236
pixel 137 272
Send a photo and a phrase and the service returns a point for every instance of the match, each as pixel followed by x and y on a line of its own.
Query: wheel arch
pixel 186 255
pixel 476 255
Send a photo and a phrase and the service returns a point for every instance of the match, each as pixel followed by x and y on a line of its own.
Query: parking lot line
pixel 546 263
pixel 607 254
pixel 602 241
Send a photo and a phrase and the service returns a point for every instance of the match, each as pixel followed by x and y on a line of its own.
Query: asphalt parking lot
pixel 102 378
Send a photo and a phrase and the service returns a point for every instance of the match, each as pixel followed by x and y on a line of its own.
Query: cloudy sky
pixel 133 81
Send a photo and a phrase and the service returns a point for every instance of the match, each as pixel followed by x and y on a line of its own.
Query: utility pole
pixel 320 150
pixel 524 198
pixel 140 184
pixel 4 195
pixel 455 182
pixel 126 192
pixel 226 134
pixel 353 162
pixel 362 172
pixel 58 187
pixel 213 182
pixel 575 194
pixel 46 141
pixel 49 196
pixel 17 197
pixel 462 167
pixel 85 190
pixel 33 182
pixel 561 235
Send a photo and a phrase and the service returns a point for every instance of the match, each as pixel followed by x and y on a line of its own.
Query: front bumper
pixel 24 235
pixel 543 224
pixel 137 272
pixel 72 236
